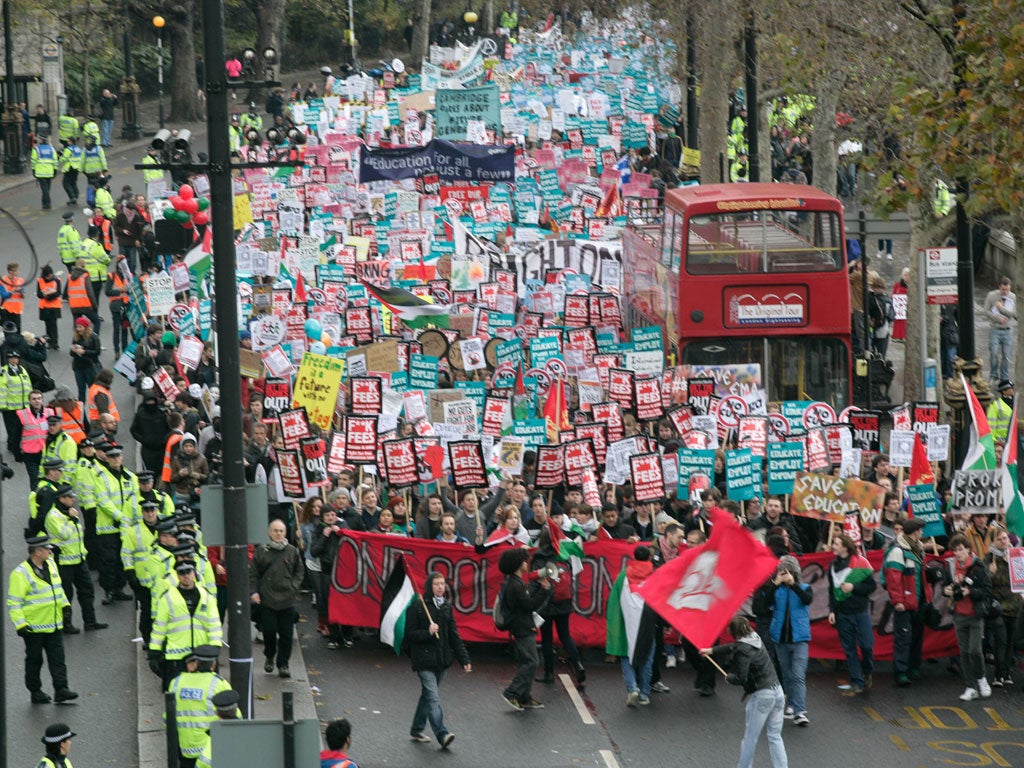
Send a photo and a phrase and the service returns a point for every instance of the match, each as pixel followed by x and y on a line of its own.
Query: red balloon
pixel 190 206
pixel 201 218
pixel 187 224
pixel 186 192
pixel 176 203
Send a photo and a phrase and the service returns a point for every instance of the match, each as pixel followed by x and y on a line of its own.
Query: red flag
pixel 498 536
pixel 701 590
pixel 556 411
pixel 520 390
pixel 300 289
pixel 920 470
pixel 603 535
pixel 208 240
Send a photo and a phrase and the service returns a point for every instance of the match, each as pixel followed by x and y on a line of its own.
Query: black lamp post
pixel 158 22
pixel 13 163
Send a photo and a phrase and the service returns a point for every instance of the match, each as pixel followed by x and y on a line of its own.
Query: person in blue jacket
pixel 791 632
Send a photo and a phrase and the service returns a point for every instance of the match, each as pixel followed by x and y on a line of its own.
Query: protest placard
pixel 336 453
pixel 741 474
pixel 819 496
pixel 291 474
pixel 466 458
pixel 550 466
pixel 367 395
pixel 925 505
pixel 316 387
pixel 647 477
pixel 159 294
pixel 294 427
pixel 901 447
pixel 313 452
pixel 977 491
pixel 361 439
pixel 579 455
pixel 785 460
pixel 400 462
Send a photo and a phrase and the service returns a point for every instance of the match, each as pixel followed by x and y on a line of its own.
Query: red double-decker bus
pixel 748 274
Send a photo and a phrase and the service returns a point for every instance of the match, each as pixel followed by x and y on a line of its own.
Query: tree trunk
pixel 716 62
pixel 269 23
pixel 823 138
pixel 421 34
pixel 182 84
pixel 925 232
pixel 488 18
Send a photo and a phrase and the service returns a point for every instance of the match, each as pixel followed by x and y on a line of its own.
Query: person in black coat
pixel 324 546
pixel 150 428
pixel 558 609
pixel 434 643
pixel 519 604
pixel 968 585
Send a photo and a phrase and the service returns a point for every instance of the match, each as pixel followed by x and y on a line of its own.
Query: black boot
pixel 581 672
pixel 69 628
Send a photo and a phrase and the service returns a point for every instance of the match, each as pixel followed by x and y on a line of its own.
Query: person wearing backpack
pixel 880 314
pixel 434 643
pixel 518 604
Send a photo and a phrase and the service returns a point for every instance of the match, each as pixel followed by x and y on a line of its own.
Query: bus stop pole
pixel 288 721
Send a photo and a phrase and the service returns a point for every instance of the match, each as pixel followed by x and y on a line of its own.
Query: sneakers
pixel 789 714
pixel 997 682
pixel 902 680
pixel 705 690
pixel 1007 680
pixel 531 703
pixel 421 738
pixel 659 687
pixel 969 694
pixel 632 698
pixel 65 694
pixel 283 672
pixel 447 740
pixel 868 681
pixel 888 256
pixel 851 689
pixel 670 662
pixel 41 697
pixel 802 720
pixel 258 638
pixel 512 701
pixel 333 646
pixel 983 688
pixel 268 666
pixel 914 674
pixel 643 701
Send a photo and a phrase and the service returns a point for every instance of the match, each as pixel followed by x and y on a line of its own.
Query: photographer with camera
pixel 967 583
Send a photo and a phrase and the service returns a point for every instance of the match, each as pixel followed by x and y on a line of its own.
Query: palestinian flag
pixel 981 452
pixel 565 547
pixel 199 263
pixel 413 310
pixel 625 607
pixel 857 571
pixel 499 535
pixel 1012 501
pixel 399 593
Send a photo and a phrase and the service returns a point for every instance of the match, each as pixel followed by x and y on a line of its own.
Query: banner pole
pixel 717 666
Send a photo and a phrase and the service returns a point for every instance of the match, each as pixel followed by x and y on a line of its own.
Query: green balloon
pixel 204 203
pixel 181 216
pixel 169 214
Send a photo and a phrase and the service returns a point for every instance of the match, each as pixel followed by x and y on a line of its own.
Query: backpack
pixel 885 305
pixel 501 618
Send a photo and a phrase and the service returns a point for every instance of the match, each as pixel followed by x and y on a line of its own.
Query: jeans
pixel 1000 347
pixel 855 632
pixel 638 676
pixel 970 630
pixel 106 128
pixel 526 657
pixel 131 253
pixel 84 377
pixel 278 633
pixel 885 246
pixel 428 709
pixel 119 321
pixel 793 662
pixel 908 635
pixel 765 706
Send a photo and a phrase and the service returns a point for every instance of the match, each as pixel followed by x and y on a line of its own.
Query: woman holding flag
pixel 851 579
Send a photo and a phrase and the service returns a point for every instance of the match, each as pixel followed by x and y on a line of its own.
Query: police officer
pixel 15 388
pixel 84 482
pixel 183 617
pixel 57 741
pixel 69 240
pixel 72 162
pixel 95 163
pixel 104 198
pixel 44 495
pixel 148 492
pixel 136 541
pixel 60 446
pixel 235 135
pixel 1000 411
pixel 152 158
pixel 68 128
pixel 225 704
pixel 193 691
pixel 251 119
pixel 64 527
pixel 155 566
pixel 36 602
pixel 116 497
pixel 44 167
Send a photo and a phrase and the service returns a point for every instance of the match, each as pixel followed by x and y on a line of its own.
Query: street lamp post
pixel 13 164
pixel 158 22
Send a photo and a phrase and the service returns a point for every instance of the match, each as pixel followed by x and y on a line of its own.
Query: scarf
pixel 278 545
pixel 439 601
pixel 997 552
pixel 667 552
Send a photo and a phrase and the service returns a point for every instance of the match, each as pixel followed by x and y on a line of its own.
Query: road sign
pixel 940 275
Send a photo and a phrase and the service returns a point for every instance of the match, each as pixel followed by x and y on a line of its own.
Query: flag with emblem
pixel 1013 503
pixel 981 451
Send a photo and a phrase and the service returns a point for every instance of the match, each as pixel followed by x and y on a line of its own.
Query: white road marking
pixel 570 688
pixel 609 758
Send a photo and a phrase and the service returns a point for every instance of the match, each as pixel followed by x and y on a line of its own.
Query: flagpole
pixel 710 658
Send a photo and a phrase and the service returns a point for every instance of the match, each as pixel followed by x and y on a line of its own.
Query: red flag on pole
pixel 701 590
pixel 920 470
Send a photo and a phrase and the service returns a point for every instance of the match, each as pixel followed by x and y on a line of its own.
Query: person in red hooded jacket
pixel 908 591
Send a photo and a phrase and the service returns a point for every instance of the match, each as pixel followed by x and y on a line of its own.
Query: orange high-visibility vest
pixel 45 286
pixel 72 422
pixel 172 441
pixel 16 303
pixel 78 294
pixel 120 284
pixel 107 231
pixel 94 412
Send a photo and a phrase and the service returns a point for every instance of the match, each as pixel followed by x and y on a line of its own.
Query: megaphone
pixel 398 66
pixel 549 571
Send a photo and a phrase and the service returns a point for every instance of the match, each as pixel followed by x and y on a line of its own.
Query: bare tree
pixel 179 35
